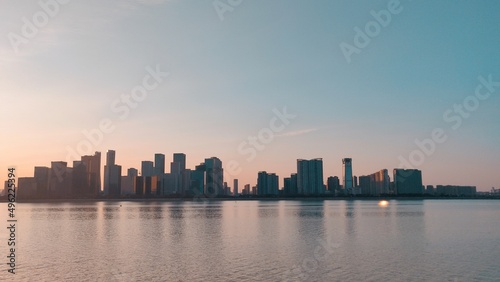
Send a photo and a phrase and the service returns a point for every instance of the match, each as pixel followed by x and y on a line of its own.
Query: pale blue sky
pixel 227 76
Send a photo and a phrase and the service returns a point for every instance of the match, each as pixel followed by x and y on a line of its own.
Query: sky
pixel 258 84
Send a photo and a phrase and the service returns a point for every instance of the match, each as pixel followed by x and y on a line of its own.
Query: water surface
pixel 432 240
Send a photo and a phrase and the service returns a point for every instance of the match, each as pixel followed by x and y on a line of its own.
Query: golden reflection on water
pixel 383 203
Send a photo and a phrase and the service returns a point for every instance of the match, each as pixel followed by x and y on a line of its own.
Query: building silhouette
pixel 214 177
pixel 310 176
pixel 127 181
pixel 177 170
pixel 59 179
pixel 80 181
pixel 147 168
pixel 267 183
pixel 42 180
pixel 93 167
pixel 112 175
pixel 408 181
pixel 159 166
pixel 375 184
pixel 333 184
pixel 235 187
pixel 347 176
pixel 455 190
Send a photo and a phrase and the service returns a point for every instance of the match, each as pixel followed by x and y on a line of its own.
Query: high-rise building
pixel 59 179
pixel 333 184
pixel 381 182
pixel 375 184
pixel 93 166
pixel 147 168
pixel 139 185
pixel 177 168
pixel 267 183
pixel 26 187
pixel 112 175
pixel 214 177
pixel 181 159
pixel 235 187
pixel 42 180
pixel 197 181
pixel 287 185
pixel 168 184
pixel 294 190
pixel 310 176
pixel 159 168
pixel 128 181
pixel 365 184
pixel 80 181
pixel 347 176
pixel 110 157
pixel 408 181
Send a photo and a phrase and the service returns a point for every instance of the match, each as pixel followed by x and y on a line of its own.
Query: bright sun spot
pixel 383 203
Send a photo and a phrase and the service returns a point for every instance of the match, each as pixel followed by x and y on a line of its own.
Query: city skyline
pixel 308 179
pixel 423 85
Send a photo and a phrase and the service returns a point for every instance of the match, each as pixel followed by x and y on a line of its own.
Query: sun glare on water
pixel 383 203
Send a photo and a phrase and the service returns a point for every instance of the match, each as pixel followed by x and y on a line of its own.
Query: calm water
pixel 256 241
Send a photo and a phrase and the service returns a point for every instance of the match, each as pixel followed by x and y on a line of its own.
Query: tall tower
pixel 93 165
pixel 214 176
pixel 235 187
pixel 159 168
pixel 347 175
pixel 180 158
pixel 112 175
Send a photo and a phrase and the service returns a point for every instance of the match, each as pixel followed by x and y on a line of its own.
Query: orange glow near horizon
pixel 383 203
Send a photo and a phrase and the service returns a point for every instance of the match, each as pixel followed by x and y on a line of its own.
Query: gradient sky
pixel 227 76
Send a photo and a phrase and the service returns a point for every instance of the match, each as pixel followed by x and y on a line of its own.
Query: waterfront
pixel 433 240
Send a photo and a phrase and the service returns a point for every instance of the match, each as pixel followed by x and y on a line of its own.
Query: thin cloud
pixel 298 132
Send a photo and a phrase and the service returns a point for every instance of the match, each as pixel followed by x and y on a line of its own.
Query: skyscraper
pixel 408 181
pixel 159 168
pixel 93 166
pixel 214 176
pixel 235 187
pixel 333 184
pixel 127 185
pixel 80 184
pixel 110 157
pixel 177 168
pixel 112 175
pixel 267 183
pixel 347 176
pixel 59 179
pixel 181 159
pixel 147 168
pixel 381 182
pixel 310 176
pixel 42 180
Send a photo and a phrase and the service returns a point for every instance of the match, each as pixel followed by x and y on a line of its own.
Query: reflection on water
pixel 257 241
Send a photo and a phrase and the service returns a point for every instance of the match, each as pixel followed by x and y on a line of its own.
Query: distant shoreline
pixel 312 198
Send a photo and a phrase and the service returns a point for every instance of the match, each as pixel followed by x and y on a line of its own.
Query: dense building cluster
pixel 83 180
